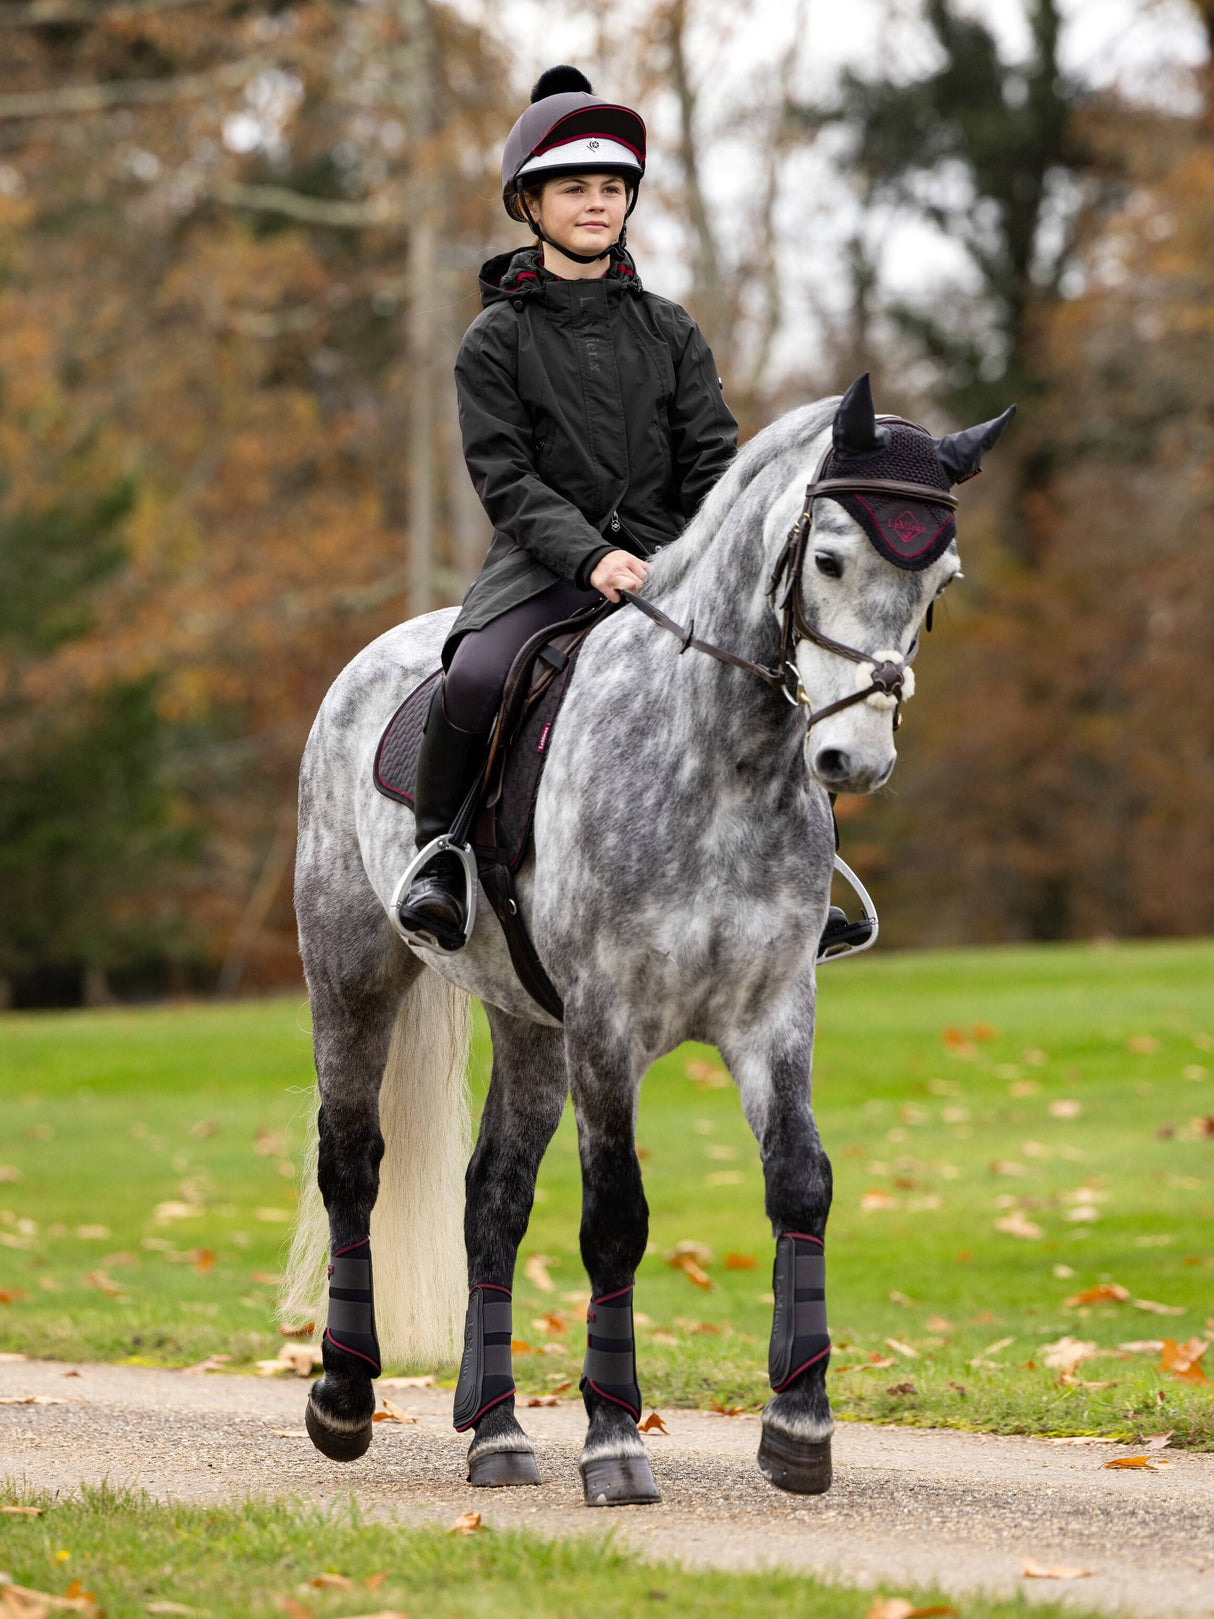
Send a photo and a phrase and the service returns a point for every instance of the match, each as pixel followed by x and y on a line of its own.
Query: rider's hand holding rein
pixel 618 570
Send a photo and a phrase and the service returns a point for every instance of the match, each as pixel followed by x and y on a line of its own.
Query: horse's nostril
pixel 832 764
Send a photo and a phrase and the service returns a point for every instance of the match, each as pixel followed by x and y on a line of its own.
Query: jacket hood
pixel 521 274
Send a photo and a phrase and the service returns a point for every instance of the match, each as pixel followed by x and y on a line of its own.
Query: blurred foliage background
pixel 238 244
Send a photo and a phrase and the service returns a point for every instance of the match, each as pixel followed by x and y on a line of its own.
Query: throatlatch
pixel 610 1367
pixel 798 1326
pixel 485 1374
pixel 351 1323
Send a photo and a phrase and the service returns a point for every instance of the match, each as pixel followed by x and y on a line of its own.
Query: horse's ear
pixel 960 454
pixel 855 430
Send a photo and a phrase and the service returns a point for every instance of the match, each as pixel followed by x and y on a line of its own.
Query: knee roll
pixel 799 1335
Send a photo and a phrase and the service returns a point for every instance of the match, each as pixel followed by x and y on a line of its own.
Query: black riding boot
pixel 446 768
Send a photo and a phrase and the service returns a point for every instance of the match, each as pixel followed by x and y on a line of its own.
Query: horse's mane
pixel 785 436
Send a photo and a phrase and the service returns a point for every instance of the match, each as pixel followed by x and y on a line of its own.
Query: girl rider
pixel 593 427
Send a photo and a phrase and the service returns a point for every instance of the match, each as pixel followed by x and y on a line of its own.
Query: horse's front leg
pixel 527 1093
pixel 615 1228
pixel 772 1066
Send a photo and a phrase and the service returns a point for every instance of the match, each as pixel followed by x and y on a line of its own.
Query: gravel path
pixel 963 1511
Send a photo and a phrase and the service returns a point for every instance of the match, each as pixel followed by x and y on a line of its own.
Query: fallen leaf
pixel 293 1609
pixel 274 1216
pixel 291 1433
pixel 305 1331
pixel 331 1582
pixel 93 1233
pixel 538 1400
pixel 23 1512
pixel 1063 1272
pixel 938 1323
pixel 1065 1108
pixel 169 1607
pixel 11 1295
pixel 535 1269
pixel 877 1199
pixel 559 1388
pixel 1085 1439
pixel 466 1524
pixel 9 1174
pixel 706 1076
pixel 1067 1352
pixel 265 1278
pixel 981 1359
pixel 1158 1309
pixel 957 1388
pixel 213 1363
pixel 424 1382
pixel 520 1346
pixel 740 1262
pixel 652 1424
pixel 727 1410
pixel 1159 1441
pixel 374 1581
pixel 1142 1044
pixel 695 1273
pixel 1006 1166
pixel 900 1389
pixel 899 1348
pixel 1142 1346
pixel 900 1608
pixel 1107 1292
pixel 1034 1571
pixel 103 1282
pixel 1184 1360
pixel 31 1399
pixel 687 1249
pixel 1148 1463
pixel 203 1260
pixel 392 1413
pixel 1015 1225
pixel 878 1362
pixel 901 1298
pixel 553 1322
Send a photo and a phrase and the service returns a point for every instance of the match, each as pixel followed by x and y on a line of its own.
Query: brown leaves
pixel 652 1424
pixel 12 1295
pixel 304 1331
pixel 535 1269
pixel 213 1363
pixel 1184 1360
pixel 727 1410
pixel 392 1413
pixel 19 1602
pixel 1148 1464
pixel 691 1258
pixel 900 1608
pixel 901 1390
pixel 1067 1352
pixel 1058 1571
pixel 23 1512
pixel 899 1348
pixel 1107 1292
pixel 706 1076
pixel 31 1399
pixel 300 1359
pixel 203 1260
pixel 466 1524
pixel 740 1262
pixel 103 1282
pixel 9 1174
pixel 1015 1225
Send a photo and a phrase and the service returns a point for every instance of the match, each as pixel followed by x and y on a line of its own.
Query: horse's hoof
pixel 502 1468
pixel 338 1444
pixel 796 1465
pixel 619 1481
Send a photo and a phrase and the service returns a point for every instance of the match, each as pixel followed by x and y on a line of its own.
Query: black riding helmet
pixel 567 129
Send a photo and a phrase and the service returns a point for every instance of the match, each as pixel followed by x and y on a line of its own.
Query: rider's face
pixel 583 212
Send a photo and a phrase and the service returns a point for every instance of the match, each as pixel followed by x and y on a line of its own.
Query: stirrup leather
pixel 868 910
pixel 445 843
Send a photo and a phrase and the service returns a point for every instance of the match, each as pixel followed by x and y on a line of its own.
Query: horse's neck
pixel 723 595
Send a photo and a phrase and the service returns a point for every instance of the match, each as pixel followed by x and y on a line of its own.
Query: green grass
pixel 108 1115
pixel 259 1558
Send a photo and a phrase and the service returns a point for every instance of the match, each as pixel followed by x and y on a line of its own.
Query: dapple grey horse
pixel 677 890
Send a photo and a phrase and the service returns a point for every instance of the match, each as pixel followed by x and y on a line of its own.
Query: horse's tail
pixel 417 1234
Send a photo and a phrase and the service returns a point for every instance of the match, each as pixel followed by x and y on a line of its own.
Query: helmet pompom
pixel 559 80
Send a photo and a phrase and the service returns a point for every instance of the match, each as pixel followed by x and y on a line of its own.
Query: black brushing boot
pixel 436 904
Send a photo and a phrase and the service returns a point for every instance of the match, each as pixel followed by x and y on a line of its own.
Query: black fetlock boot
pixel 435 910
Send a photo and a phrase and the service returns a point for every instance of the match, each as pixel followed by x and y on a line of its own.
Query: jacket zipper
pixel 618 528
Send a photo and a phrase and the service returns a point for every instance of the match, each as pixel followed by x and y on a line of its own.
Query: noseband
pixel 889 676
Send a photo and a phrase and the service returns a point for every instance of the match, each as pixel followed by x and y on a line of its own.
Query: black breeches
pixel 478 669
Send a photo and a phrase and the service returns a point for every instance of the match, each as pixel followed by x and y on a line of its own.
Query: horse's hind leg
pixel 526 1096
pixel 354 997
pixel 615 1227
pixel 772 1067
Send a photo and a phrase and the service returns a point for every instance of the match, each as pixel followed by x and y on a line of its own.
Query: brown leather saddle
pixel 505 804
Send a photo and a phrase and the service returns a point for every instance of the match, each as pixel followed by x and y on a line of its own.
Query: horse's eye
pixel 829 564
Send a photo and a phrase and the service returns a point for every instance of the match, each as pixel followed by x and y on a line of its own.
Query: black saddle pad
pixel 395 768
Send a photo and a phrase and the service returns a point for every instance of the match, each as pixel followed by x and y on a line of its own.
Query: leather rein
pixel 890 678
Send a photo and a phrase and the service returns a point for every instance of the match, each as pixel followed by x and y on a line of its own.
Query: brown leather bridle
pixel 888 676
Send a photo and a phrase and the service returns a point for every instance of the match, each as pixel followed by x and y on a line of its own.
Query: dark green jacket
pixel 592 420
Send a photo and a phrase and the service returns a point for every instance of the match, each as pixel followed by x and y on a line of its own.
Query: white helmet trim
pixel 589 152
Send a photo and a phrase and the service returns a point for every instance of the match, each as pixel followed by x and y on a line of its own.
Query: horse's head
pixel 873 548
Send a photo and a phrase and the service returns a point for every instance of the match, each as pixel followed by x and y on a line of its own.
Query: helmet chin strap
pixel 621 240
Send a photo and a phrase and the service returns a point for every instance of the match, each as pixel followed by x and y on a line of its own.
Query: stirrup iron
pixel 868 910
pixel 445 843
